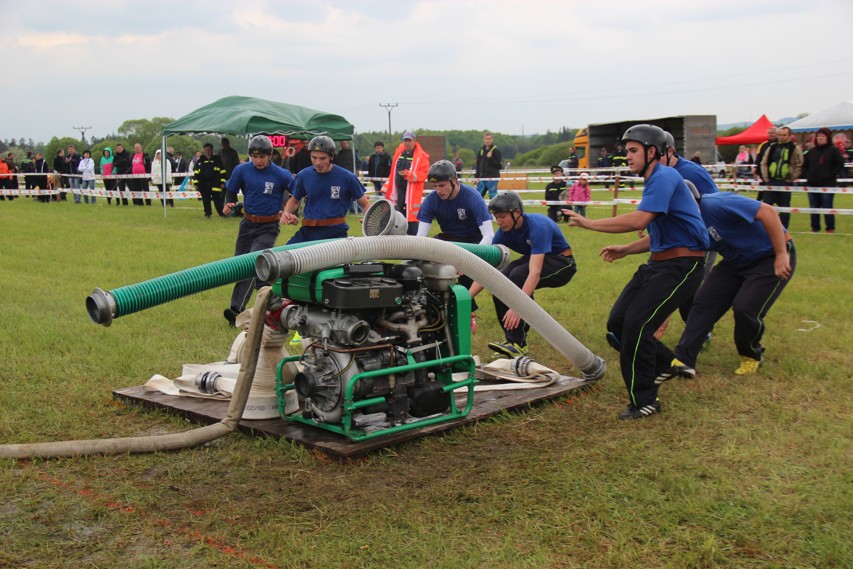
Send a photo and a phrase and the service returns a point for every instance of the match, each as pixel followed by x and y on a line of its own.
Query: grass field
pixel 736 472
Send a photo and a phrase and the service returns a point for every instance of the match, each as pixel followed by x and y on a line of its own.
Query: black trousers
pixel 557 271
pixel 251 237
pixel 749 291
pixel 655 291
pixel 781 199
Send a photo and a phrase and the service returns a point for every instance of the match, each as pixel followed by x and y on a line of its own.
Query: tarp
pixel 247 115
pixel 755 134
pixel 836 117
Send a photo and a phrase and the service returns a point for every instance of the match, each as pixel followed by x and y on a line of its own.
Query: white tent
pixel 836 117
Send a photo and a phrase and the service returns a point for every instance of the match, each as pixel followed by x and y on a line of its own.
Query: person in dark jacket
pixel 209 178
pixel 821 168
pixel 300 160
pixel 40 182
pixel 59 167
pixel 27 169
pixel 122 166
pixel 489 163
pixel 379 165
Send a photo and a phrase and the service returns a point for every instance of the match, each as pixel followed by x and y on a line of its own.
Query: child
pixel 553 191
pixel 580 193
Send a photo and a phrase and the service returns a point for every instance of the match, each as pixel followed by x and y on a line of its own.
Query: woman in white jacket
pixel 87 168
pixel 157 175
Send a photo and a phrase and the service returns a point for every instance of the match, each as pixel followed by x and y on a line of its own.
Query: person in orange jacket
pixel 405 185
pixel 6 178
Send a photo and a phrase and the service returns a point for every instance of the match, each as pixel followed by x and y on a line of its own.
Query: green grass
pixel 737 472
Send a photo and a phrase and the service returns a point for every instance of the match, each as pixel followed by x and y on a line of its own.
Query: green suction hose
pixel 104 306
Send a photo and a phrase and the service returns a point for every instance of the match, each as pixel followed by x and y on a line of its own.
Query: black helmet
pixel 441 171
pixel 506 202
pixel 648 135
pixel 260 144
pixel 670 140
pixel 322 144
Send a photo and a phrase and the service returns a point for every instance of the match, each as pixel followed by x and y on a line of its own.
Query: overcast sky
pixel 524 66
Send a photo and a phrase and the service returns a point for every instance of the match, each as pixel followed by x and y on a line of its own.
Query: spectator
pixel 87 170
pixel 106 166
pixel 554 193
pixel 546 262
pixel 328 191
pixel 229 158
pixel 604 161
pixel 579 195
pixel 27 170
pixel 265 188
pixel 12 180
pixel 772 136
pixel 677 239
pixel 157 177
pixel 781 165
pixel 405 185
pixel 697 158
pixel 179 172
pixel 744 162
pixel 209 179
pixel 302 158
pixel 72 161
pixel 41 181
pixel 276 158
pixel 457 162
pixel 344 158
pixel 5 178
pixel 574 160
pixel 60 179
pixel 122 167
pixel 821 167
pixel 140 167
pixel 489 163
pixel 379 166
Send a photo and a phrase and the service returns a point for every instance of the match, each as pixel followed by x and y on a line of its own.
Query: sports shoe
pixel 231 316
pixel 632 412
pixel 296 340
pixel 508 349
pixel 613 341
pixel 676 369
pixel 747 366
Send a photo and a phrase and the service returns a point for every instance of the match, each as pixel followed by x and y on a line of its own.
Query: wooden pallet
pixel 206 411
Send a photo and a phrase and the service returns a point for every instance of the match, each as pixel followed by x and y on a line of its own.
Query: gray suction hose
pixel 272 265
pixel 172 441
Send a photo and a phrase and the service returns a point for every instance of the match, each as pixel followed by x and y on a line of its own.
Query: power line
pixel 389 107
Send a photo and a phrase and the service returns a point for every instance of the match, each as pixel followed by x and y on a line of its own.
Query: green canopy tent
pixel 248 115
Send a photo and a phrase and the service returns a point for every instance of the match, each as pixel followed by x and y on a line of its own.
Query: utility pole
pixel 388 107
pixel 82 130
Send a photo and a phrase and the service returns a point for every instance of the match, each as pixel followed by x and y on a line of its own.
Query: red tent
pixel 753 135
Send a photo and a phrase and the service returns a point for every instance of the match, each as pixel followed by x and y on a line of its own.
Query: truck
pixel 692 133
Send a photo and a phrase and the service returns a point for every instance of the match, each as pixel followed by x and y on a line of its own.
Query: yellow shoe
pixel 296 340
pixel 747 366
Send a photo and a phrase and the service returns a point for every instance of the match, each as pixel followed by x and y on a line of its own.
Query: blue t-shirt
pixel 698 175
pixel 461 215
pixel 329 195
pixel 539 234
pixel 734 231
pixel 263 190
pixel 679 223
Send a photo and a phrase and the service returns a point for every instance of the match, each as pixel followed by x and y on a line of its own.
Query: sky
pixel 520 67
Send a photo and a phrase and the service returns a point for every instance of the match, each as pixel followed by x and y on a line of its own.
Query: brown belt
pixel 323 222
pixel 676 252
pixel 262 218
pixel 566 253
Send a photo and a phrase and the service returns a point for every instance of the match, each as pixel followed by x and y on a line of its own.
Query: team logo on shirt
pixel 461 213
pixel 336 192
pixel 268 187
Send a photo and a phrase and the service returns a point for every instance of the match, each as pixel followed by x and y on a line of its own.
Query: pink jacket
pixel 579 193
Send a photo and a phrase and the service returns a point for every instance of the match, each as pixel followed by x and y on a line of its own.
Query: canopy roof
pixel 755 134
pixel 836 117
pixel 247 115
